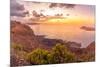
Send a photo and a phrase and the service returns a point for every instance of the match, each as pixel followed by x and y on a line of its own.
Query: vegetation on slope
pixel 58 54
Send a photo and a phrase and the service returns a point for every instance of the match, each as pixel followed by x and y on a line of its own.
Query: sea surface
pixel 65 32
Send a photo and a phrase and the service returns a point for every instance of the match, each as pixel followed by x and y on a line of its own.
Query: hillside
pixel 91 47
pixel 22 34
pixel 24 41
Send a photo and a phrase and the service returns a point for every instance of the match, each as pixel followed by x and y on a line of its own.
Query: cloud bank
pixel 17 9
pixel 53 5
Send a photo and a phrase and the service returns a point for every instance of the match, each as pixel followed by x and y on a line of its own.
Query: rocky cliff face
pixel 91 49
pixel 22 34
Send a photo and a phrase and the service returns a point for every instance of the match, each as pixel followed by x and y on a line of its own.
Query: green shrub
pixel 38 56
pixel 60 54
pixel 17 47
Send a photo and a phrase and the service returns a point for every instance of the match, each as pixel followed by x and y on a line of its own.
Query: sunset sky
pixel 52 12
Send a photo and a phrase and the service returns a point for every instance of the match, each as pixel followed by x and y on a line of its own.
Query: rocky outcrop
pixel 16 58
pixel 22 34
pixel 73 44
pixel 91 48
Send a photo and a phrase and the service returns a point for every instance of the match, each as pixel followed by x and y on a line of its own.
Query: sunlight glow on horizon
pixel 70 21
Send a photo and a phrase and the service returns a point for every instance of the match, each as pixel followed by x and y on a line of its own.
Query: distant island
pixel 86 28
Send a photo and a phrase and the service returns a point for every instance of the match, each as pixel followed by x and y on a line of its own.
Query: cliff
pixel 22 34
